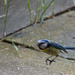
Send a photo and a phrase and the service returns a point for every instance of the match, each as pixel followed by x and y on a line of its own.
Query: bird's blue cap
pixel 44 40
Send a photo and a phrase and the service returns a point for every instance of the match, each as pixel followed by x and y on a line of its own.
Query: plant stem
pixel 6 6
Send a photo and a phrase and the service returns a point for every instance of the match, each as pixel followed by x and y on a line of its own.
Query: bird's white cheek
pixel 43 46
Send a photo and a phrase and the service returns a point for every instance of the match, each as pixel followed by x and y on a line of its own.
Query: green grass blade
pixel 44 1
pixel 74 2
pixel 5 3
pixel 15 47
pixel 41 7
pixel 45 10
pixel 53 4
pixel 6 7
pixel 29 6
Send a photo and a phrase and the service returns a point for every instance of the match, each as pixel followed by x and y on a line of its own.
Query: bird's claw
pixel 50 61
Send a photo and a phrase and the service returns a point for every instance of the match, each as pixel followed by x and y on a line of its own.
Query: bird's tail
pixel 70 48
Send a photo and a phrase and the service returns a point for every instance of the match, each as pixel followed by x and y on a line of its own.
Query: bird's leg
pixel 50 61
pixel 53 60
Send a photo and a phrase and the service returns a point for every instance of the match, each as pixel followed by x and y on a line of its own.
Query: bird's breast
pixel 51 51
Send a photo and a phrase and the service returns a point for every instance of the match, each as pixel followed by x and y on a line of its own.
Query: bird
pixel 52 48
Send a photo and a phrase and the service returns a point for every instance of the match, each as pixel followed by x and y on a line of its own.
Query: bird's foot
pixel 50 61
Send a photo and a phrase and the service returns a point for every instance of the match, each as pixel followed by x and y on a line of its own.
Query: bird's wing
pixel 58 46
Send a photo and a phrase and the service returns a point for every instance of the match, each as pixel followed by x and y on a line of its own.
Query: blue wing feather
pixel 57 46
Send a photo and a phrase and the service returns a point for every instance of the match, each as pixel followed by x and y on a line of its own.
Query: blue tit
pixel 52 48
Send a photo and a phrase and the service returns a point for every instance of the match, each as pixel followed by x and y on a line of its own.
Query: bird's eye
pixel 43 45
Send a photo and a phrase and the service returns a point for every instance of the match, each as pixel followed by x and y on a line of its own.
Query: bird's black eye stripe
pixel 39 45
pixel 48 45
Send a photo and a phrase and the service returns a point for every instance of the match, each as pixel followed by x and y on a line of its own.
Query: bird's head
pixel 43 43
